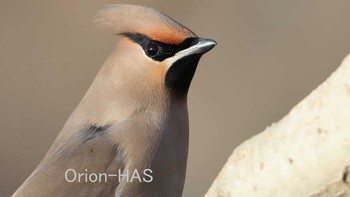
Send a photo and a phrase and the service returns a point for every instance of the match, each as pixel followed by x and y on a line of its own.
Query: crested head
pixel 154 50
pixel 124 18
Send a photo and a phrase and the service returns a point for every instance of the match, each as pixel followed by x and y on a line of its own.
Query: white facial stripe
pixel 195 49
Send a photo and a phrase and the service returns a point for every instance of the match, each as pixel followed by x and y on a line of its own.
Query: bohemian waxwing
pixel 129 135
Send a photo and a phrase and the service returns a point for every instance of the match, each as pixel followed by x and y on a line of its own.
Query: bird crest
pixel 124 18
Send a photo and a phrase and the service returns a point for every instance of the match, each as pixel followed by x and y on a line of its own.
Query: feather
pixel 124 18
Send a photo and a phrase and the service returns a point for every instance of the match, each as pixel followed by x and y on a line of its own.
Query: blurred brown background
pixel 271 54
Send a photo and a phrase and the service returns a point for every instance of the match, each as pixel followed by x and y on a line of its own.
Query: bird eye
pixel 152 49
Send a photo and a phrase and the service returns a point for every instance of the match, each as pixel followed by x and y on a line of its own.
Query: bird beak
pixel 201 46
pixel 198 48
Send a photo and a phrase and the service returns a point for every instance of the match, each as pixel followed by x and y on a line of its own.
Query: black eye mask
pixel 160 51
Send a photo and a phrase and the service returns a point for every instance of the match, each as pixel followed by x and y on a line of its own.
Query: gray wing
pixel 74 162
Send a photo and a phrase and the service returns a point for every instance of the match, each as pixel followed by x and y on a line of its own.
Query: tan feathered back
pixel 124 18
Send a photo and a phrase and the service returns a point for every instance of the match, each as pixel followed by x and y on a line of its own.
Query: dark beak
pixel 201 46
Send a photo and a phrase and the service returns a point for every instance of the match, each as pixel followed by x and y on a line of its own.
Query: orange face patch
pixel 169 36
pixel 159 73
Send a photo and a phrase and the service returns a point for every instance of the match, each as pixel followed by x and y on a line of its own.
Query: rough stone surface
pixel 307 153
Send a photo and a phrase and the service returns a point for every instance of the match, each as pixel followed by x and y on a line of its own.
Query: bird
pixel 129 135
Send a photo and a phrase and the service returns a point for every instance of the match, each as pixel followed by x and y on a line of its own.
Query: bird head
pixel 154 50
